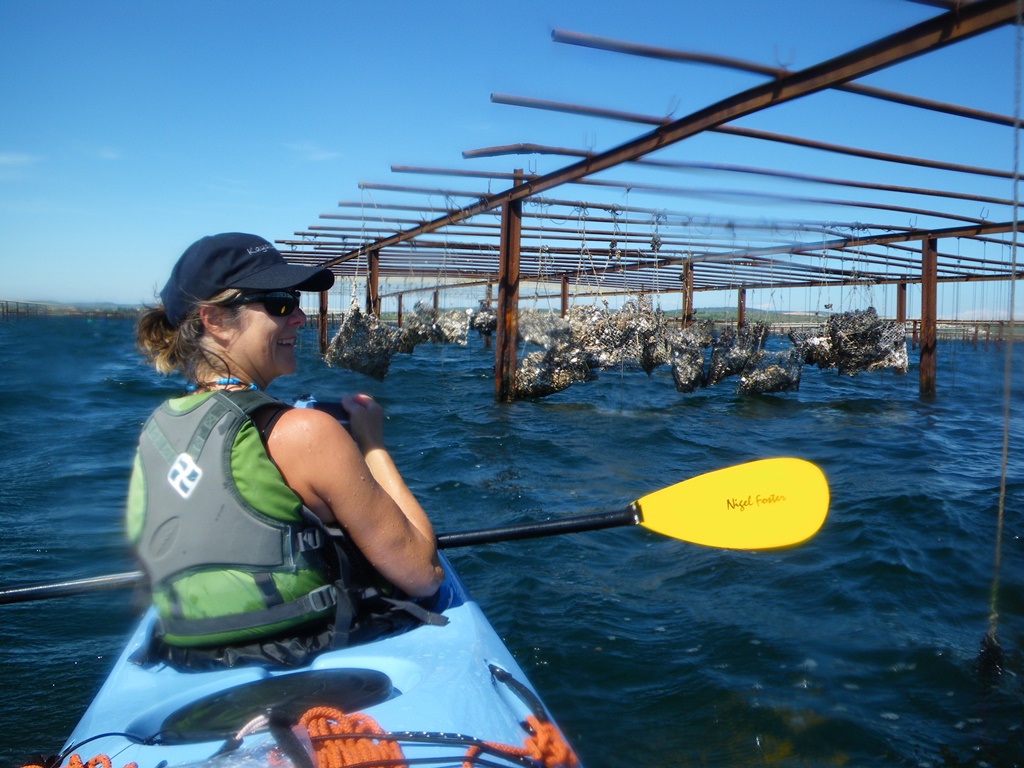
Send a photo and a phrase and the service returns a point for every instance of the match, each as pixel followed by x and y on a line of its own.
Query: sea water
pixel 857 648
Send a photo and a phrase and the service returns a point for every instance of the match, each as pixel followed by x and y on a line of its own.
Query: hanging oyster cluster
pixel 593 338
pixel 637 336
pixel 855 342
pixel 366 345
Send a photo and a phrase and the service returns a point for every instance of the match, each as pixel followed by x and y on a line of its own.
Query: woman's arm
pixel 352 479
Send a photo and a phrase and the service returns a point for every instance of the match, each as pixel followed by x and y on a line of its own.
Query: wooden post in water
pixel 901 302
pixel 488 301
pixel 399 310
pixel 741 307
pixel 929 315
pixel 322 329
pixel 565 295
pixel 372 277
pixel 507 332
pixel 687 278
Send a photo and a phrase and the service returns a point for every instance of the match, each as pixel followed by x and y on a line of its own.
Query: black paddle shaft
pixel 68 588
pixel 594 522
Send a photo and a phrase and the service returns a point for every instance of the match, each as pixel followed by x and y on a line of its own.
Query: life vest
pixel 231 553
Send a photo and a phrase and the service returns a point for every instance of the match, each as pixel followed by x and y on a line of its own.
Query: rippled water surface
pixel 857 648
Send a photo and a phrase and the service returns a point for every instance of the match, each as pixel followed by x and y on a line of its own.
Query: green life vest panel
pixel 231 553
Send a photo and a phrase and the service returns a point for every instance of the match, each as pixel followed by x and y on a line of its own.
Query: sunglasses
pixel 277 303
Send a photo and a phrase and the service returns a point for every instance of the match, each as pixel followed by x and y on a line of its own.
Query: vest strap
pixel 417 611
pixel 317 601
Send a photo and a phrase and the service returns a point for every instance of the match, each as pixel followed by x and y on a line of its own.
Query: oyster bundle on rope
pixel 425 324
pixel 699 333
pixel 362 344
pixel 855 341
pixel 734 350
pixel 814 346
pixel 685 356
pixel 633 335
pixel 546 330
pixel 768 372
pixel 417 327
pixel 595 335
pixel 452 327
pixel 643 331
pixel 483 319
pixel 545 372
pixel 687 362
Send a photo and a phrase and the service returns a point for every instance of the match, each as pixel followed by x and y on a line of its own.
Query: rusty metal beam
pixel 523 149
pixel 749 133
pixel 811 178
pixel 699 192
pixel 705 192
pixel 688 218
pixel 929 35
pixel 668 54
pixel 768 285
pixel 730 168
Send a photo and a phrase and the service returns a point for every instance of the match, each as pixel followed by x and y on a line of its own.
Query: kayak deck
pixel 438 689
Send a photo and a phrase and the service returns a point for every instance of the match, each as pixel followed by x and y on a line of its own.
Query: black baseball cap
pixel 234 260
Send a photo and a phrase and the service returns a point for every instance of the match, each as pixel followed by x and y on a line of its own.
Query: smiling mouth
pixel 286 342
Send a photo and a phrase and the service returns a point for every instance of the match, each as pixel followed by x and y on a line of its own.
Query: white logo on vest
pixel 184 475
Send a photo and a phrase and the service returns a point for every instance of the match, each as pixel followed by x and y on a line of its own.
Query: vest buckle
pixel 308 539
pixel 322 598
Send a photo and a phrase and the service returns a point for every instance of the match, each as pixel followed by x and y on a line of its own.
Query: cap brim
pixel 281 277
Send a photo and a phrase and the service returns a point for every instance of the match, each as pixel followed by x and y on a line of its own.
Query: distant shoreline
pixel 10 309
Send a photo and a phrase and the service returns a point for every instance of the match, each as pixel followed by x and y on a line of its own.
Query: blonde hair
pixel 172 349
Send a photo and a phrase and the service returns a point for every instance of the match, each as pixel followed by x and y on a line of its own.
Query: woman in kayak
pixel 231 489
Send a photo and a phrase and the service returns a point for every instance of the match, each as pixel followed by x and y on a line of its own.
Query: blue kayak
pixel 431 696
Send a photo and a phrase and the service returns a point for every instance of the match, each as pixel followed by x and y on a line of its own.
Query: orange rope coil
pixel 341 740
pixel 75 761
pixel 544 745
pixel 337 750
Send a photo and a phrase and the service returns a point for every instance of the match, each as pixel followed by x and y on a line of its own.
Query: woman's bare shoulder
pixel 308 432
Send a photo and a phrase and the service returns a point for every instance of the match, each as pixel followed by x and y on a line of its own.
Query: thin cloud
pixel 17 159
pixel 14 166
pixel 312 152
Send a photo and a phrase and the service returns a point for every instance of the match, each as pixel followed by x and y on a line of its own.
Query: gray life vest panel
pixel 216 528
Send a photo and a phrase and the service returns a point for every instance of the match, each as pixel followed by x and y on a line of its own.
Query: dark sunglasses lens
pixel 280 305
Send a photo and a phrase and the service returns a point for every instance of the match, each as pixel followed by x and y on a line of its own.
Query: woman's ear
pixel 216 321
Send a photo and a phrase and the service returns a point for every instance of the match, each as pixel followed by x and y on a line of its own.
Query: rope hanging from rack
pixel 990 657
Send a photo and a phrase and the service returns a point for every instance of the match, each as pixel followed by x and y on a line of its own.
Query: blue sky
pixel 132 128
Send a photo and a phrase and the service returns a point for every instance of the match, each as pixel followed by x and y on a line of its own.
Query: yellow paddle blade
pixel 760 505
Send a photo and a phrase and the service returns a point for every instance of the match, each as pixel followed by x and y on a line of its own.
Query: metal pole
pixel 322 330
pixel 372 279
pixel 507 331
pixel 929 302
pixel 687 293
